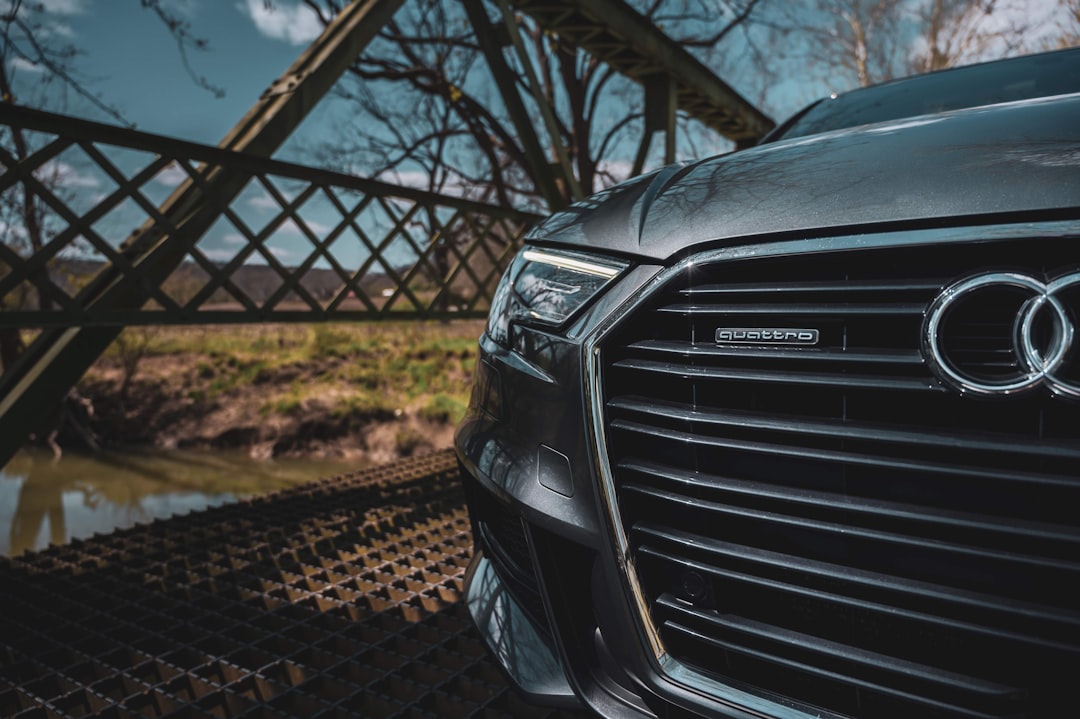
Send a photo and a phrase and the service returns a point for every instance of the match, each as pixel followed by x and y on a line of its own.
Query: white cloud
pixel 618 170
pixel 1014 27
pixel 455 186
pixel 16 231
pixel 319 229
pixel 54 7
pixel 67 176
pixel 283 253
pixel 64 7
pixel 408 178
pixel 234 238
pixel 219 255
pixel 171 175
pixel 56 27
pixel 46 13
pixel 295 24
pixel 265 201
pixel 25 65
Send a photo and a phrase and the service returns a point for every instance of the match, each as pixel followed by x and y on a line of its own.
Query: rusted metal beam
pixel 54 362
pixel 547 112
pixel 487 36
pixel 660 106
pixel 346 198
pixel 625 39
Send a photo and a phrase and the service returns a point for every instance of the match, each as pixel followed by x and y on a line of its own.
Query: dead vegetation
pixel 366 392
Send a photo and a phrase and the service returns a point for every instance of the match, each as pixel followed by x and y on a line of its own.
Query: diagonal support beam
pixel 547 112
pixel 661 102
pixel 487 37
pixel 619 35
pixel 38 382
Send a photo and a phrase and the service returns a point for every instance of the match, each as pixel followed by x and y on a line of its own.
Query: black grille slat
pixel 1069 571
pixel 810 643
pixel 790 288
pixel 833 523
pixel 780 593
pixel 1051 624
pixel 688 350
pixel 912 700
pixel 881 629
pixel 839 429
pixel 869 460
pixel 900 384
pixel 797 310
pixel 998 531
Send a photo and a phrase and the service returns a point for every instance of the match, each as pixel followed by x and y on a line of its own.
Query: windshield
pixel 1055 73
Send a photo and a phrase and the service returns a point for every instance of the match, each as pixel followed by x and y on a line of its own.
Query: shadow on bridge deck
pixel 339 598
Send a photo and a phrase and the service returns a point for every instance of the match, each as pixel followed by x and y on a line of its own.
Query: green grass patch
pixel 444 408
pixel 357 370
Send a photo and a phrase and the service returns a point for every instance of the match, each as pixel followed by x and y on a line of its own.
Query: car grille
pixel 831 525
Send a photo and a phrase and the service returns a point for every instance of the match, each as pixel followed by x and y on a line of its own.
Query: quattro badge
pixel 765 336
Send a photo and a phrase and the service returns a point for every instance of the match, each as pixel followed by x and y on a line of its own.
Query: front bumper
pixel 535 587
pixel 543 632
pixel 523 648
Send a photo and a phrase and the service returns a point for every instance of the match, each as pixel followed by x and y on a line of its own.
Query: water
pixel 43 502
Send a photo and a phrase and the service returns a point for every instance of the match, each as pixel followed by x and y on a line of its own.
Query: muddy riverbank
pixel 366 394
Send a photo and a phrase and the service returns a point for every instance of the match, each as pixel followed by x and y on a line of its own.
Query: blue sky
pixel 132 62
pixel 130 59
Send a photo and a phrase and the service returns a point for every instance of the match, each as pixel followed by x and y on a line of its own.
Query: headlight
pixel 546 287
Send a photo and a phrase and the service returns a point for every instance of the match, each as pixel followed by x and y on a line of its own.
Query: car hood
pixel 1021 157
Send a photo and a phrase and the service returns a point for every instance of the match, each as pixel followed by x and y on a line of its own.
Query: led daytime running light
pixel 569 263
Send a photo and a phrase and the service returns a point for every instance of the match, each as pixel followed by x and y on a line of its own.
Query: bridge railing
pixel 289 244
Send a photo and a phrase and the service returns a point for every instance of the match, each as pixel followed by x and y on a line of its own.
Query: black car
pixel 794 431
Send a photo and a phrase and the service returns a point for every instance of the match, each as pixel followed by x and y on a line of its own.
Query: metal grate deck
pixel 339 598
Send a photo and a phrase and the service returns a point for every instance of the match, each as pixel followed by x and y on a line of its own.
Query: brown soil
pixel 159 409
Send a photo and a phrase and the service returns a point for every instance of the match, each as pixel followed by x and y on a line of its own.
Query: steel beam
pixel 487 36
pixel 54 362
pixel 625 39
pixel 98 139
pixel 660 106
pixel 547 112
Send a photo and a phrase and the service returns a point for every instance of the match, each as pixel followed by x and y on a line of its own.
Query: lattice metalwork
pixel 294 243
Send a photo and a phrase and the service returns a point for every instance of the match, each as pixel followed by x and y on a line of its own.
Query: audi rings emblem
pixel 1003 333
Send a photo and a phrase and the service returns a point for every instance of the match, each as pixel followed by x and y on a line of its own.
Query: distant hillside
pixel 258 282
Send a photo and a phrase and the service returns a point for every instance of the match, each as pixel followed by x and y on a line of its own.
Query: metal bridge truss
pixel 134 228
pixel 293 244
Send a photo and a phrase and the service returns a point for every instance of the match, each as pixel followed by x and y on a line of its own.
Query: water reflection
pixel 43 502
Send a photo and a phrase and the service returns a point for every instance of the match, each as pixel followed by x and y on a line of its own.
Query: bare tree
pixel 855 42
pixel 956 32
pixel 952 33
pixel 861 42
pixel 427 111
pixel 1067 29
